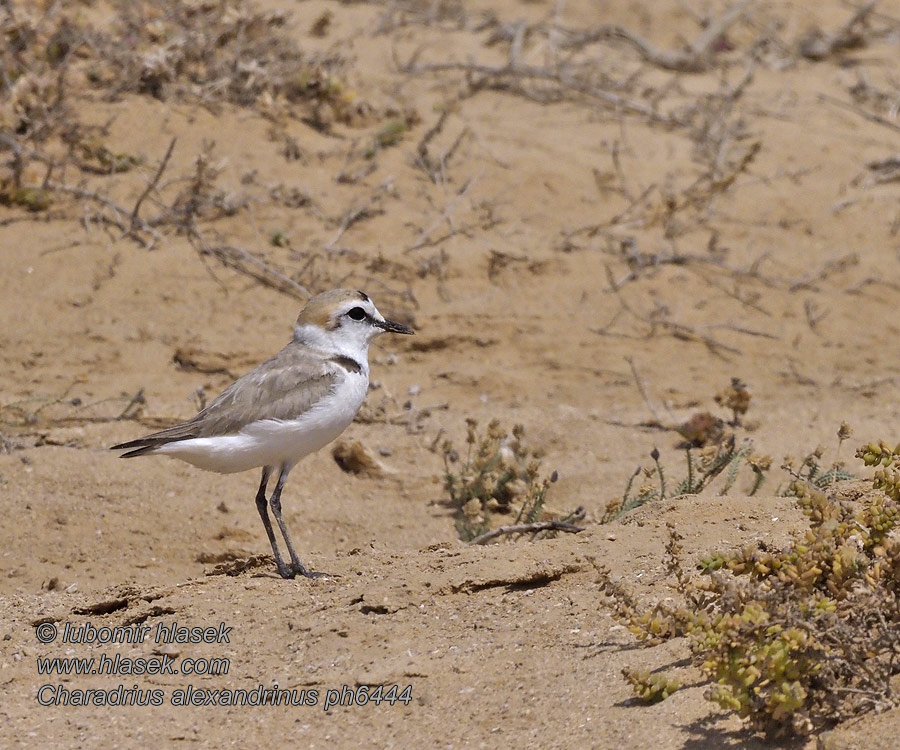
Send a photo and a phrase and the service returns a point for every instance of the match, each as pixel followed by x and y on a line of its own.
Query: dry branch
pixel 681 330
pixel 446 217
pixel 247 263
pixel 371 207
pixel 532 528
pixel 817 46
pixel 710 184
pixel 884 170
pixel 434 167
pixel 870 116
pixel 697 58
pixel 827 269
pixel 692 333
pixel 504 76
pixel 638 381
pixel 117 212
pixel 151 186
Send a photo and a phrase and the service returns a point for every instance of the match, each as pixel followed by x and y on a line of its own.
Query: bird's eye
pixel 357 313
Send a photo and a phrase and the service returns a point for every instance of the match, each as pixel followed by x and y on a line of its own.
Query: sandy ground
pixel 739 232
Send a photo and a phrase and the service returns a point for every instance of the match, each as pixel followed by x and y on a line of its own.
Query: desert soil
pixel 593 267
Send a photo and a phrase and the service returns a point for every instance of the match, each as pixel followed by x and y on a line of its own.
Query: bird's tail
pixel 141 446
pixel 149 443
pixel 137 448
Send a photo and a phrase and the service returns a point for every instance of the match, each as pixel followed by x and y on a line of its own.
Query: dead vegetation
pixel 214 55
pixel 229 53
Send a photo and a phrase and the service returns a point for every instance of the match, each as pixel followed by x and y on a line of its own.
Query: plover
pixel 289 406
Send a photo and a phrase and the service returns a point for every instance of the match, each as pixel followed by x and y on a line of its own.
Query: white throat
pixel 333 343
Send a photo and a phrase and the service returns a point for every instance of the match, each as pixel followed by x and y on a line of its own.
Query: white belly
pixel 274 442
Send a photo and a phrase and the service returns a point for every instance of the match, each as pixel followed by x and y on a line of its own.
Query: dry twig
pixel 248 264
pixel 151 186
pixel 817 45
pixel 870 116
pixel 446 217
pixel 504 76
pixel 643 391
pixel 697 58
pixel 533 528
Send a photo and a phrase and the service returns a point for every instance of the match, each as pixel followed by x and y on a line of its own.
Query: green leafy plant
pixel 809 470
pixel 797 638
pixel 703 466
pixel 710 450
pixel 650 687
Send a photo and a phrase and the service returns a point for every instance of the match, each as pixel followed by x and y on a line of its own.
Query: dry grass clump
pixel 217 51
pixel 57 55
pixel 802 637
pixel 210 52
pixel 500 476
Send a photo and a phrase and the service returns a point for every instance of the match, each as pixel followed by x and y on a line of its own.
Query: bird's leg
pixel 275 501
pixel 283 569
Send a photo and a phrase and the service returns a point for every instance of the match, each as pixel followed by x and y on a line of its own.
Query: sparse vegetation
pixel 809 470
pixel 735 397
pixel 650 687
pixel 720 452
pixel 589 184
pixel 500 476
pixel 214 55
pixel 391 133
pixel 798 638
pixel 210 53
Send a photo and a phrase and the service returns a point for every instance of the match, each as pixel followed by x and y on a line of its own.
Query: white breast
pixel 274 442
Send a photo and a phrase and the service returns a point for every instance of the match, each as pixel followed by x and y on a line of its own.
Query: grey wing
pixel 283 387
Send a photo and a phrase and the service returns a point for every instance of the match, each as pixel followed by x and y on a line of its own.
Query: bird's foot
pixel 284 571
pixel 301 570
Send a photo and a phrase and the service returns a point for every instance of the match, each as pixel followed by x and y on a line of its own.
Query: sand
pixel 557 254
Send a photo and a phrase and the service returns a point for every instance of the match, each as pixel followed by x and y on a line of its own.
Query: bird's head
pixel 343 320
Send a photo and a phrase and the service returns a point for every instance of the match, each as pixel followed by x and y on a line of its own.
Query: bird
pixel 289 406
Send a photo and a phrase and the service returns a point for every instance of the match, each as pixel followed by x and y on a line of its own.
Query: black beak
pixel 391 327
